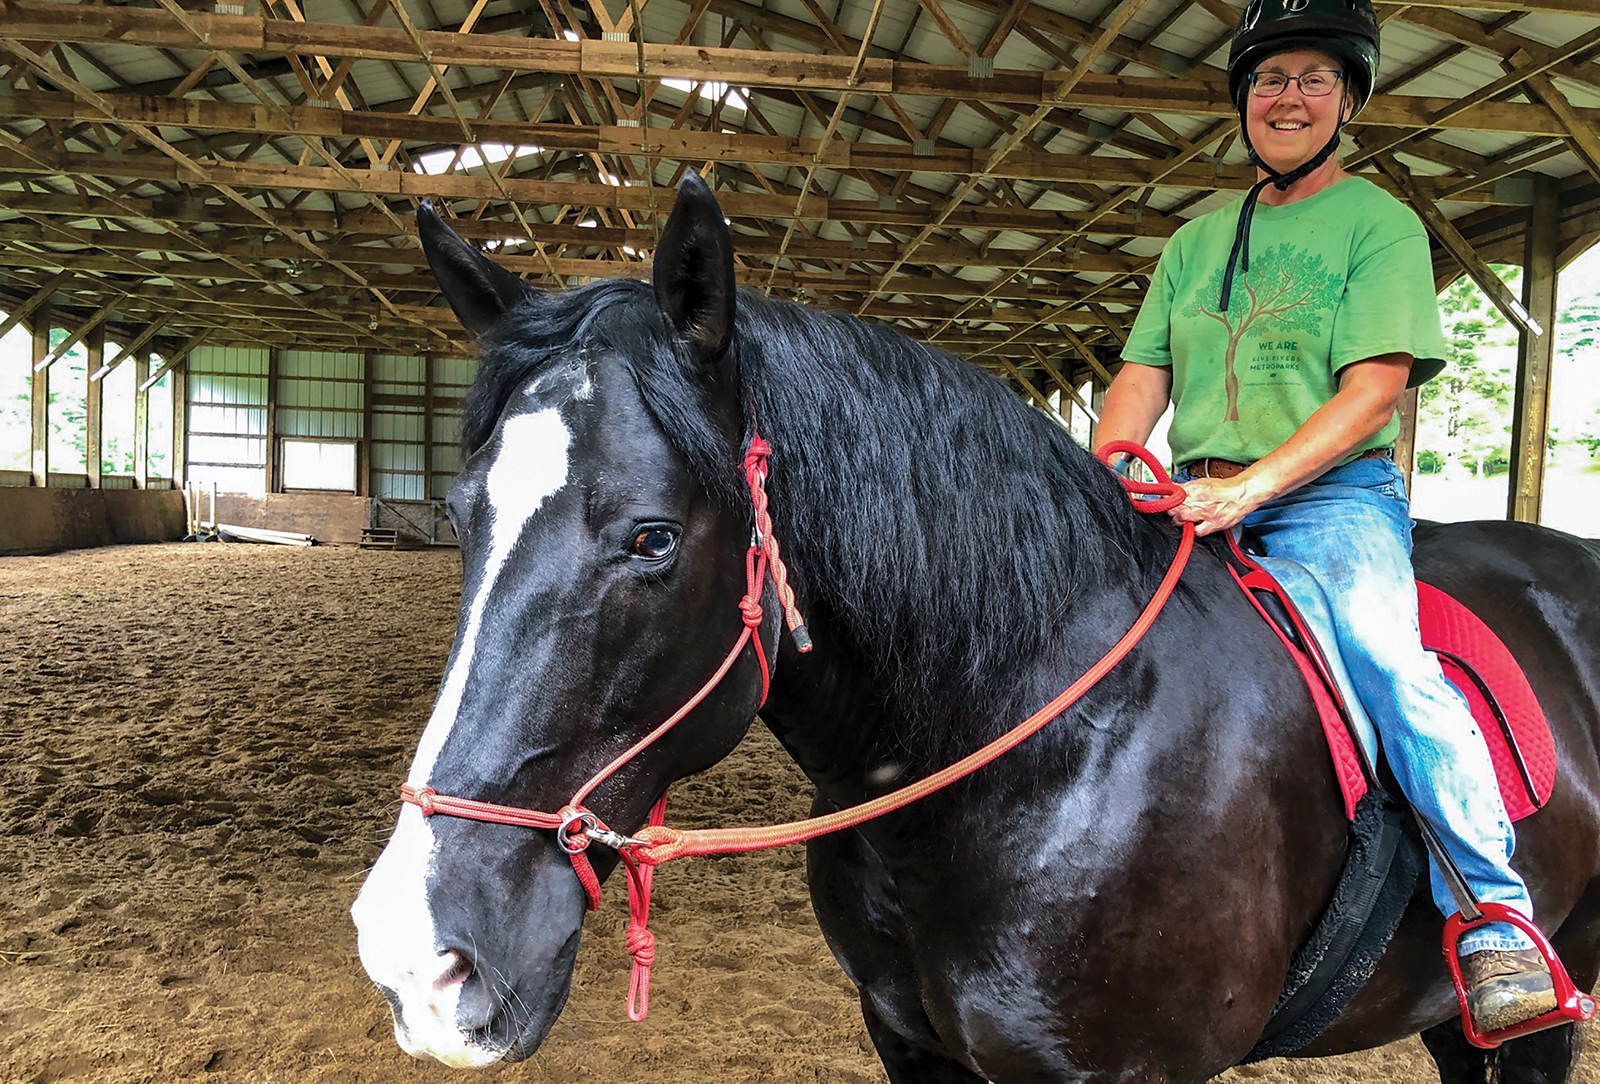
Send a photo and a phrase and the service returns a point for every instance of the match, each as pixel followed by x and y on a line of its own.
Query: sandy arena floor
pixel 199 747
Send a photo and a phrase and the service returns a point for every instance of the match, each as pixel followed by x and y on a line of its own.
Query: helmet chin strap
pixel 1240 255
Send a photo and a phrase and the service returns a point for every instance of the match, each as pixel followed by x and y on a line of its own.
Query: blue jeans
pixel 1351 529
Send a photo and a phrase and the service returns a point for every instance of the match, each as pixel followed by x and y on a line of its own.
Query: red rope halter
pixel 576 826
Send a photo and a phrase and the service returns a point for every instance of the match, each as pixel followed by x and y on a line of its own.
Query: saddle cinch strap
pixel 1514 729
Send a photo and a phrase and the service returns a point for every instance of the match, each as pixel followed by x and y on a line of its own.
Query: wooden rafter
pixel 264 191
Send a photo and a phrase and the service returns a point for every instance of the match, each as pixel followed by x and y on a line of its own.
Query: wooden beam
pixel 1087 355
pixel 1581 133
pixel 179 468
pixel 601 60
pixel 1530 419
pixel 38 298
pixel 1088 258
pixel 76 337
pixel 133 348
pixel 1062 382
pixel 993 158
pixel 39 402
pixel 94 409
pixel 1458 246
pixel 173 360
pixel 1039 398
pixel 141 421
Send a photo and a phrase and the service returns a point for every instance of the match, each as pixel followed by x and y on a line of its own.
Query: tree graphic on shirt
pixel 1286 289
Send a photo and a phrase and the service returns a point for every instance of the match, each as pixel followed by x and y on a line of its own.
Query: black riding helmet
pixel 1346 30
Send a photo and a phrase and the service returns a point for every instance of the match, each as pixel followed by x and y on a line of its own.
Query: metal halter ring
pixel 574 842
pixel 590 829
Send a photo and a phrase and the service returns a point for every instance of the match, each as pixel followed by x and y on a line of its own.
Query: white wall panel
pixel 228 418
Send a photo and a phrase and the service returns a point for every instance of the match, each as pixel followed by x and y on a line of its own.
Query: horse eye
pixel 655 543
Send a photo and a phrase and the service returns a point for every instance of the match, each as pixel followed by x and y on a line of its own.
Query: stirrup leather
pixel 1572 1004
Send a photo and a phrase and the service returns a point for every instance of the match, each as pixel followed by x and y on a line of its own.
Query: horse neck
pixel 953 534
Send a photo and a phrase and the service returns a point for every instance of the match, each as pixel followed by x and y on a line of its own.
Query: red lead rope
pixel 656 843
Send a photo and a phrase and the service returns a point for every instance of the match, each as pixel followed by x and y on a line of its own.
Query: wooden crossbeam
pixel 1580 129
pixel 176 358
pixel 134 347
pixel 1459 247
pixel 1497 42
pixel 609 60
pixel 92 322
pixel 827 137
pixel 736 204
pixel 1526 69
pixel 37 298
pixel 97 242
pixel 244 120
pixel 1063 383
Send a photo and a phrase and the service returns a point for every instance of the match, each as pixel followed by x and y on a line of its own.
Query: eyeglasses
pixel 1313 84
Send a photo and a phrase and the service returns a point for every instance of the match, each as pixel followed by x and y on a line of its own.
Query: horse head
pixel 590 544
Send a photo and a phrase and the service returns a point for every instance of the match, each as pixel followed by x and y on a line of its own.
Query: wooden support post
pixel 39 461
pixel 272 421
pixel 94 408
pixel 1097 399
pixel 141 420
pixel 1530 420
pixel 180 426
pixel 1405 445
pixel 369 366
pixel 427 427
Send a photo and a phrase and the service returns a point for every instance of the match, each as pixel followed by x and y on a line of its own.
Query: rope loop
pixel 1163 494
pixel 657 844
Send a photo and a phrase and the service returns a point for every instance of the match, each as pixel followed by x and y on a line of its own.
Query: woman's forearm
pixel 1133 404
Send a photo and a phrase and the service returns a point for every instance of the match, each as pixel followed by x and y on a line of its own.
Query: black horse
pixel 1118 899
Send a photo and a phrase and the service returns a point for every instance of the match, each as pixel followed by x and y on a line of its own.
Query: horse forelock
pixel 545 330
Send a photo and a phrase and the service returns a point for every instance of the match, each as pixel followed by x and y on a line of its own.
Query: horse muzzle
pixel 467 1016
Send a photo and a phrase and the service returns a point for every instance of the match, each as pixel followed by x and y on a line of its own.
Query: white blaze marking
pixel 530 467
pixel 396 931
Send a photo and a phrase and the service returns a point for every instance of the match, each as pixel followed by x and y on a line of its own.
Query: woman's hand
pixel 1215 504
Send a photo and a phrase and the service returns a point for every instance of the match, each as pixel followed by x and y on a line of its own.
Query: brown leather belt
pixel 1227 468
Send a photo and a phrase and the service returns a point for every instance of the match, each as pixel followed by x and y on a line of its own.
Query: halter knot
pixel 641 944
pixel 751 610
pixel 424 801
pixel 757 452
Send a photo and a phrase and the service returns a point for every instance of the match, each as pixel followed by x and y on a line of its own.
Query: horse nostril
pixel 457 970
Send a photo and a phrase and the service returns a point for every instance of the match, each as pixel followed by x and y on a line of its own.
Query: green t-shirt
pixel 1335 278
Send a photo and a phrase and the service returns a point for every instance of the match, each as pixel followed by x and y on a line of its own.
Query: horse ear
pixel 693 270
pixel 478 289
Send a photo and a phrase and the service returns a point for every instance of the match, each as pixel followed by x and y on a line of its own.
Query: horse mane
pixel 945 524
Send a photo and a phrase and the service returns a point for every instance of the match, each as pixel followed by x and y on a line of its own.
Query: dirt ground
pixel 199 749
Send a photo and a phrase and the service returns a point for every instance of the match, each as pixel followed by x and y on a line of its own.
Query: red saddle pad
pixel 1452 629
